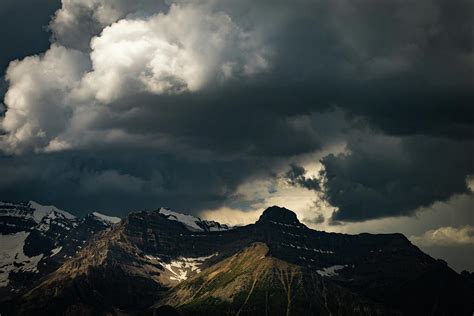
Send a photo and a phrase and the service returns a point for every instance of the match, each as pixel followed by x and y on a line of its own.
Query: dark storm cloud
pixel 227 123
pixel 117 181
pixel 296 176
pixel 401 69
pixel 405 66
pixel 381 176
pixel 391 177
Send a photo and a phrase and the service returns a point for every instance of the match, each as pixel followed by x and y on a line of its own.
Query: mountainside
pixel 36 239
pixel 160 262
pixel 252 282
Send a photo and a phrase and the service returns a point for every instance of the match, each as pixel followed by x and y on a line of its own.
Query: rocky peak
pixel 279 215
pixel 190 222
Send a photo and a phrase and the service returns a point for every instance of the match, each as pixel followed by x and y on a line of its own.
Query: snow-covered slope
pixel 35 239
pixel 180 268
pixel 40 211
pixel 15 217
pixel 193 223
pixel 106 219
pixel 12 257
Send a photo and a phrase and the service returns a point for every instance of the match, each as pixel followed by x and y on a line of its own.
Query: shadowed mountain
pixel 160 264
pixel 253 283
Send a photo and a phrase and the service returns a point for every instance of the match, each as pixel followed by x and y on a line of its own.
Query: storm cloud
pixel 384 176
pixel 296 176
pixel 154 103
pixel 122 180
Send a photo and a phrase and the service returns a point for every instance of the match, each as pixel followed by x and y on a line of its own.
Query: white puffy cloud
pixel 54 99
pixel 182 50
pixel 38 100
pixel 78 21
pixel 446 236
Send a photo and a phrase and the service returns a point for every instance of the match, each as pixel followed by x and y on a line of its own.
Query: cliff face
pixel 153 263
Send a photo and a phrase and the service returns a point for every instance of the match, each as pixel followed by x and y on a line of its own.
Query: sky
pixel 357 115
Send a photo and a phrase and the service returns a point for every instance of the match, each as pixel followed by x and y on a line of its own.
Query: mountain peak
pixel 41 211
pixel 279 215
pixel 193 223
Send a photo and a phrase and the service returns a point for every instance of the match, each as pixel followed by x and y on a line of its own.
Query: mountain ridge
pixel 36 239
pixel 141 263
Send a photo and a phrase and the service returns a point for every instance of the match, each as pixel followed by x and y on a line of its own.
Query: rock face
pixel 160 262
pixel 36 240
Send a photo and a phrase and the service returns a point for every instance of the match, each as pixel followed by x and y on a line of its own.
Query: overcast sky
pixel 357 115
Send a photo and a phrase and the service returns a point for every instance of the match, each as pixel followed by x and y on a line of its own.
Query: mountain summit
pixel 161 261
pixel 279 215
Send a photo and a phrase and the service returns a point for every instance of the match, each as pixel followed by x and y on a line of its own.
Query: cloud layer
pixel 385 176
pixel 147 103
pixel 183 50
pixel 446 236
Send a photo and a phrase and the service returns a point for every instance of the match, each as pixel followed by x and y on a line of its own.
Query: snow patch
pixel 153 258
pixel 323 251
pixel 331 271
pixel 55 251
pixel 108 220
pixel 12 257
pixel 193 223
pixel 188 220
pixel 297 225
pixel 182 267
pixel 40 211
pixel 213 226
pixel 57 219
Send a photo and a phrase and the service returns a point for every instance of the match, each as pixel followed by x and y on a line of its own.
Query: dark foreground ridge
pixel 164 263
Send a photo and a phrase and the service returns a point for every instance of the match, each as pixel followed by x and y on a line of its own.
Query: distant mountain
pixel 36 240
pixel 164 263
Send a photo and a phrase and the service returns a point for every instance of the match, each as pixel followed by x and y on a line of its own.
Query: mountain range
pixel 159 262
